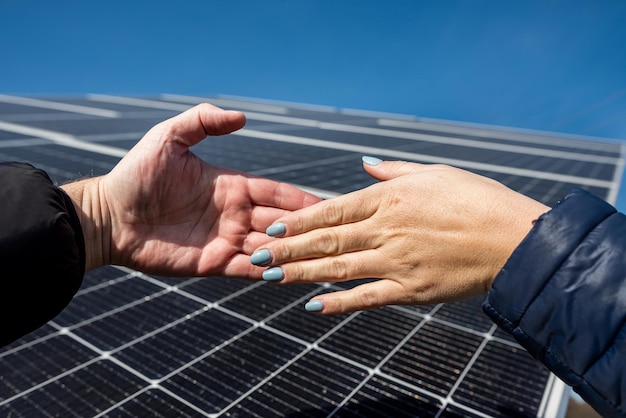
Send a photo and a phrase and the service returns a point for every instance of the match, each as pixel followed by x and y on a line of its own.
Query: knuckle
pixel 281 252
pixel 294 273
pixel 168 127
pixel 332 213
pixel 367 298
pixel 167 132
pixel 161 130
pixel 297 224
pixel 336 306
pixel 204 107
pixel 327 243
pixel 339 269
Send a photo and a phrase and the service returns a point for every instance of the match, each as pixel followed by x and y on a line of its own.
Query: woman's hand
pixel 431 233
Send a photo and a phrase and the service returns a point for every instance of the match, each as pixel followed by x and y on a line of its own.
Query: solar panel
pixel 132 344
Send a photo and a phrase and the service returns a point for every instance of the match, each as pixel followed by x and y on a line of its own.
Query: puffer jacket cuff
pixel 562 295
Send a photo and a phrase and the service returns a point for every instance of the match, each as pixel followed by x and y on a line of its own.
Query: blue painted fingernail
pixel 371 160
pixel 274 274
pixel 276 229
pixel 314 306
pixel 261 257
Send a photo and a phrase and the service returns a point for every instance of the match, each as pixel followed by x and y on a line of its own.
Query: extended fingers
pixel 363 297
pixel 324 242
pixel 263 216
pixel 239 266
pixel 352 207
pixel 266 192
pixel 254 240
pixel 356 265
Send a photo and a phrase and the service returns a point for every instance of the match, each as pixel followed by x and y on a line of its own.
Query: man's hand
pixel 163 210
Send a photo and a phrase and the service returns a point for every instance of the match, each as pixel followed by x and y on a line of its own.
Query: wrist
pixel 87 199
pixel 523 216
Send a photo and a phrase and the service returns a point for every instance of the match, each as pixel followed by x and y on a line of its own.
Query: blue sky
pixel 547 65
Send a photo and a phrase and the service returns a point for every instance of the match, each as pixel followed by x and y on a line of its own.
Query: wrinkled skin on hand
pixel 163 210
pixel 431 233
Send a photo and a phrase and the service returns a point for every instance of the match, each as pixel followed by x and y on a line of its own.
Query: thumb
pixel 387 170
pixel 193 125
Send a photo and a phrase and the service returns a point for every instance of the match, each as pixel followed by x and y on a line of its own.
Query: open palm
pixel 171 213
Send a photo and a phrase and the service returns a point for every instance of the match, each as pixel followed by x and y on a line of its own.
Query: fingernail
pixel 371 160
pixel 261 257
pixel 276 229
pixel 274 274
pixel 314 306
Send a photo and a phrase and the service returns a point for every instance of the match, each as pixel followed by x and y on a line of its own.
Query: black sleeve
pixel 42 250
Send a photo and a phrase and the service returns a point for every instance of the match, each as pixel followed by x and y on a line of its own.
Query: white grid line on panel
pixel 363 130
pixel 368 150
pixel 55 105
